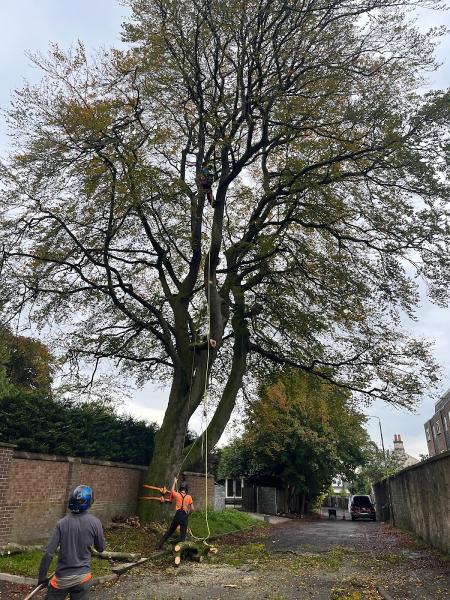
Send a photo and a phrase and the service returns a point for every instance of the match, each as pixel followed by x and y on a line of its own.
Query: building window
pixel 234 488
pixel 445 423
pixel 428 434
pixel 438 427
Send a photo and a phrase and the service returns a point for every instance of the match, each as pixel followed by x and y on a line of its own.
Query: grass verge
pixel 221 523
pixel 27 564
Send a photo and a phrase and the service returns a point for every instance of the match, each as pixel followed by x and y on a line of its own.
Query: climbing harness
pixel 163 491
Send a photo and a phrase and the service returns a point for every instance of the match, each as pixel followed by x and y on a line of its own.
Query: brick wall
pixel 6 510
pixel 197 489
pixel 421 499
pixel 34 489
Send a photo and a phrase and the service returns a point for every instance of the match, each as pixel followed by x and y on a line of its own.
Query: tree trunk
pixel 169 441
pixel 169 444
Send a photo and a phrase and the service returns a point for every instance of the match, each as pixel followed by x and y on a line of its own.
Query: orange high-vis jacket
pixel 180 502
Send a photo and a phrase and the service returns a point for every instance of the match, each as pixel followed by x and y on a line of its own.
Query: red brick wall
pixel 197 489
pixel 37 490
pixel 116 489
pixel 34 489
pixel 6 510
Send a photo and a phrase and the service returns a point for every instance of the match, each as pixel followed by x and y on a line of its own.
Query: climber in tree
pixel 206 180
pixel 184 506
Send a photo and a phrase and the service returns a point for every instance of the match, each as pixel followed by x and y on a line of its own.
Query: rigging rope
pixel 205 396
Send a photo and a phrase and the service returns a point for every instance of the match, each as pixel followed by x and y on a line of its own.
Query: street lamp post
pixel 388 484
pixel 382 443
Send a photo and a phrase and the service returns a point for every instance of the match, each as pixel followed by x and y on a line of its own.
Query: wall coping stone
pixel 22 455
pixel 418 465
pixel 5 445
pixel 195 474
pixel 429 460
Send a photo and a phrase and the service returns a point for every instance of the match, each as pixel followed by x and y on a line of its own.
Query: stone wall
pixel 219 497
pixel 421 500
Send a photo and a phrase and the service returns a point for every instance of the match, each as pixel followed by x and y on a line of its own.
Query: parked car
pixel 361 507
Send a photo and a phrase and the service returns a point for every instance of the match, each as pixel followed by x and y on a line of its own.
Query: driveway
pixel 293 560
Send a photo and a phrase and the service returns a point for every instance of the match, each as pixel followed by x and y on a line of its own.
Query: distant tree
pixel 235 460
pixel 299 434
pixel 376 466
pixel 330 195
pixel 27 362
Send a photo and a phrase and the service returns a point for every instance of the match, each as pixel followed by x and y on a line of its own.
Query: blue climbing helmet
pixel 81 499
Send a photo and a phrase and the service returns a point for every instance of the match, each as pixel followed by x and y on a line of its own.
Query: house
pixel 406 460
pixel 437 429
pixel 339 485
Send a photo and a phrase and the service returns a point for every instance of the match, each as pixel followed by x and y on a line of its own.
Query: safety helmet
pixel 81 499
pixel 183 487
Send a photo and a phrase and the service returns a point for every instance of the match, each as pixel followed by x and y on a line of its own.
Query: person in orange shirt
pixel 184 506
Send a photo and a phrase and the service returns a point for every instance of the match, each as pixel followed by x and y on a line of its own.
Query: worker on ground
pixel 184 506
pixel 75 534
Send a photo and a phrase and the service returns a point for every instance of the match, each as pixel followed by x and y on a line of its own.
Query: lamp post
pixel 388 483
pixel 382 443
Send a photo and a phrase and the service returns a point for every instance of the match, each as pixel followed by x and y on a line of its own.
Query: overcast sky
pixel 29 25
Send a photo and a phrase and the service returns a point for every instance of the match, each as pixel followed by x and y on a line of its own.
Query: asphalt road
pixel 323 535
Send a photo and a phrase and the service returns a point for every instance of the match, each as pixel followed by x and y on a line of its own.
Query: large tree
pixel 329 198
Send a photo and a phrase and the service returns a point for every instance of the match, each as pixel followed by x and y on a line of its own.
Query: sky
pixel 29 26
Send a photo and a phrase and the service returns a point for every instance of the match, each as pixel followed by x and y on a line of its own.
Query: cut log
pixel 116 555
pixel 192 546
pixel 177 560
pixel 18 549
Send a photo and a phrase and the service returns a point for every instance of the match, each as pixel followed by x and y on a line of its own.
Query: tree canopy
pixel 299 434
pixel 330 190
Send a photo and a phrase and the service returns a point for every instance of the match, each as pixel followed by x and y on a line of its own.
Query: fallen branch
pixel 18 549
pixel 121 569
pixel 116 555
